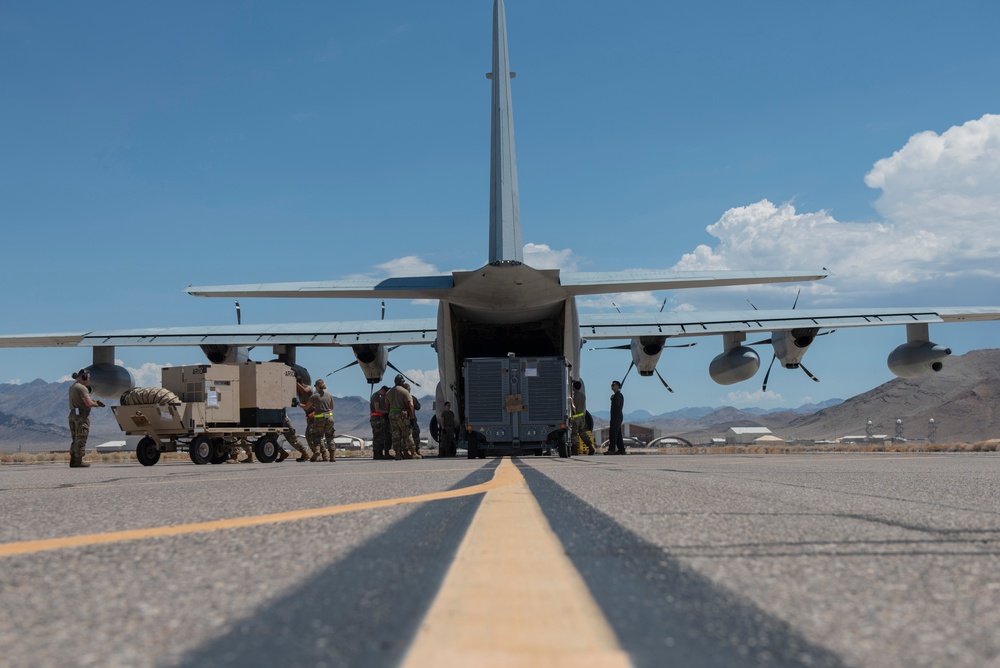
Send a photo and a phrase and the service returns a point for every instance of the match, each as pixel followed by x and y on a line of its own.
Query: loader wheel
pixel 472 447
pixel 201 450
pixel 220 454
pixel 266 448
pixel 563 449
pixel 147 452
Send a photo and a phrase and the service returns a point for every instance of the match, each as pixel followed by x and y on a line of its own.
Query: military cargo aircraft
pixel 508 307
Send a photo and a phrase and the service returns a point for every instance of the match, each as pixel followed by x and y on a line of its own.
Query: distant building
pixel 768 439
pixel 745 435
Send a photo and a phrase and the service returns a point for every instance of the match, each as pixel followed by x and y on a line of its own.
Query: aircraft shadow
pixel 362 610
pixel 662 612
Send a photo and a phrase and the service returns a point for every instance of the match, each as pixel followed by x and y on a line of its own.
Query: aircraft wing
pixel 382 332
pixel 702 323
pixel 597 283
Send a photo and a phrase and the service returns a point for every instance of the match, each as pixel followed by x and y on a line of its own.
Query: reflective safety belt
pixel 579 415
pixel 320 415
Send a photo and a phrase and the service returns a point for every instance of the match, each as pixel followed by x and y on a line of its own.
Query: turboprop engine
pixel 646 351
pixel 223 354
pixel 791 346
pixel 918 355
pixel 373 359
pixel 736 364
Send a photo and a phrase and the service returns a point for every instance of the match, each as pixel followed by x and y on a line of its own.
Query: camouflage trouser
pixel 402 435
pixel 381 437
pixel 578 428
pixel 320 429
pixel 79 430
pixel 292 437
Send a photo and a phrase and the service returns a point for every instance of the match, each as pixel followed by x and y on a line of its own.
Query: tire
pixel 472 448
pixel 563 449
pixel 202 450
pixel 147 451
pixel 220 455
pixel 266 448
pixel 435 429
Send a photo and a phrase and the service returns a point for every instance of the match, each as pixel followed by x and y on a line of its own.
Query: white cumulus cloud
pixel 940 208
pixel 743 397
pixel 428 380
pixel 411 265
pixel 543 256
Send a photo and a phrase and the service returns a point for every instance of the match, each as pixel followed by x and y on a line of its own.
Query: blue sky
pixel 148 146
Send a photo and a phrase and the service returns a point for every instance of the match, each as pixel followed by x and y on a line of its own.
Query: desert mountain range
pixel 963 399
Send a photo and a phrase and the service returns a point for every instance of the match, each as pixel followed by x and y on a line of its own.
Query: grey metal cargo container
pixel 516 405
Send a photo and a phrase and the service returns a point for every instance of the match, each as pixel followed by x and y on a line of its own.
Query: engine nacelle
pixel 223 354
pixel 791 346
pixel 916 358
pixel 109 380
pixel 373 359
pixel 646 351
pixel 733 366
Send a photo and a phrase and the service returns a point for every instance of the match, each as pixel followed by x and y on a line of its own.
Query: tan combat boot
pixel 282 454
pixel 76 462
pixel 315 456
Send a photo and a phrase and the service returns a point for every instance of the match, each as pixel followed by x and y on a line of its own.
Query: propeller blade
pixel 809 374
pixel 663 381
pixel 630 366
pixel 763 387
pixel 383 309
pixel 623 347
pixel 663 305
pixel 238 318
pixel 796 302
pixel 341 369
pixel 393 367
pixel 751 304
pixel 682 345
pixel 827 332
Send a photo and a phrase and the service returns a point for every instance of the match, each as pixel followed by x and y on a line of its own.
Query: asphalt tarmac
pixel 774 560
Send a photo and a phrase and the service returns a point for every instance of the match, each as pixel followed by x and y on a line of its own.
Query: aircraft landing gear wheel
pixel 201 450
pixel 266 448
pixel 472 448
pixel 147 452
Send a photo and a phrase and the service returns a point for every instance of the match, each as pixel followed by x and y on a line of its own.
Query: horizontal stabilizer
pixel 600 283
pixel 409 287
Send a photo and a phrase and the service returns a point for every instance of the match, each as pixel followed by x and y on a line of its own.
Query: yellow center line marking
pixel 32 546
pixel 512 597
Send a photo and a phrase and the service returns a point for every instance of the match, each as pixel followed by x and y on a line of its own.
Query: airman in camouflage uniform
pixel 414 423
pixel 400 415
pixel 381 435
pixel 446 432
pixel 320 406
pixel 303 392
pixel 578 422
pixel 80 404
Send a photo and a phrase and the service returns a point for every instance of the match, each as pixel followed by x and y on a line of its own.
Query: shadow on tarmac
pixel 662 612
